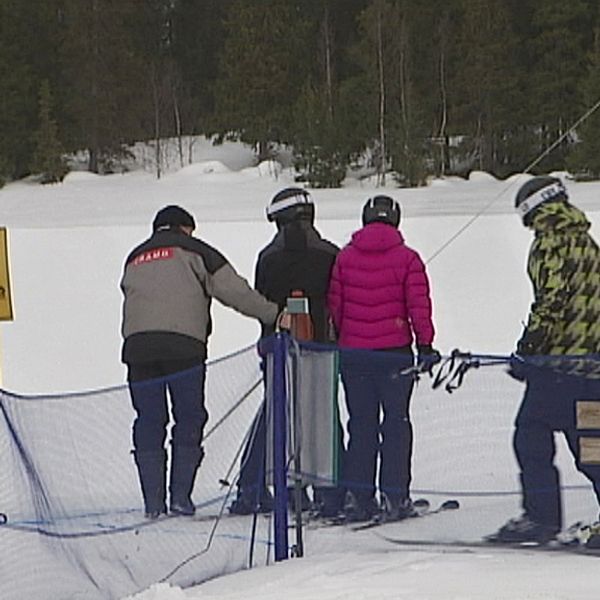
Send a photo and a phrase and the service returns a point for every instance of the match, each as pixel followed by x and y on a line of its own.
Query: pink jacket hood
pixel 377 237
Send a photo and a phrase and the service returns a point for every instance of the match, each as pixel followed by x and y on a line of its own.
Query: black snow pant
pixel 378 400
pixel 552 403
pixel 149 383
pixel 252 479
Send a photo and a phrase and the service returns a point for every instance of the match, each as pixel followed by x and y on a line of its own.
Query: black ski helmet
pixel 382 209
pixel 172 216
pixel 291 204
pixel 537 191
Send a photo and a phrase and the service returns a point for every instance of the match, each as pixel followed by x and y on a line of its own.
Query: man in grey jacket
pixel 168 284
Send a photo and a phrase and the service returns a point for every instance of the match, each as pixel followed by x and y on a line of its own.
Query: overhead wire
pixel 527 169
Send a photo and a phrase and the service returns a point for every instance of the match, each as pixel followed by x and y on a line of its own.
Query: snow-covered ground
pixel 67 245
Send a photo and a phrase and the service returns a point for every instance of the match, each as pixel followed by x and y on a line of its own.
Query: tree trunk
pixel 93 164
pixel 178 128
pixel 328 67
pixel 264 151
pixel 381 166
pixel 156 101
pixel 92 160
pixel 443 144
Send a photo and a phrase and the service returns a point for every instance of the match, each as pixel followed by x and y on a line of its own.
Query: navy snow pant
pixel 378 398
pixel 549 405
pixel 148 384
pixel 251 482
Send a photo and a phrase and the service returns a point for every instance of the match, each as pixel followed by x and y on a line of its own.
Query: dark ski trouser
pixel 378 401
pixel 251 482
pixel 549 405
pixel 148 385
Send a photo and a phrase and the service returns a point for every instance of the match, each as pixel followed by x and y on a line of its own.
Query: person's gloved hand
pixel 531 342
pixel 427 357
pixel 517 368
pixel 264 347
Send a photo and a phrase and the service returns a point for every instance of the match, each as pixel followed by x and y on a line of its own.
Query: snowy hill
pixel 68 242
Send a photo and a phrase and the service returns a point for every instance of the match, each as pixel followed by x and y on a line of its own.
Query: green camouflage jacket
pixel 564 268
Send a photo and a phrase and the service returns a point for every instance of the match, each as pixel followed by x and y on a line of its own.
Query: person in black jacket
pixel 297 258
pixel 168 284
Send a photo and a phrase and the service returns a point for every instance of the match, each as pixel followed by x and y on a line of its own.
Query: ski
pixel 581 534
pixel 574 539
pixel 422 509
pixel 477 545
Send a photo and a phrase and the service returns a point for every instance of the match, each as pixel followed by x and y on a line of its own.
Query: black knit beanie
pixel 172 216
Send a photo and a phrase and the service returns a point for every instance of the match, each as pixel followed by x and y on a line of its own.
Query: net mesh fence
pixel 69 491
pixel 71 508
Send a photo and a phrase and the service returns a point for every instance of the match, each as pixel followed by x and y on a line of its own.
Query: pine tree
pixel 484 87
pixel 584 157
pixel 29 38
pixel 48 157
pixel 433 29
pixel 15 114
pixel 562 35
pixel 262 69
pixel 390 103
pixel 108 97
pixel 319 156
pixel 198 40
pixel 322 149
pixel 410 108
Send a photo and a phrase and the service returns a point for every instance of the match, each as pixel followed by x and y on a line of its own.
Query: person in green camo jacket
pixel 558 356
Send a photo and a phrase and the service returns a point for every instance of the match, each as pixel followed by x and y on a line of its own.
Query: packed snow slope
pixel 67 246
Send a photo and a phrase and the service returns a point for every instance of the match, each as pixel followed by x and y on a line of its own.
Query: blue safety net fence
pixel 72 523
pixel 73 508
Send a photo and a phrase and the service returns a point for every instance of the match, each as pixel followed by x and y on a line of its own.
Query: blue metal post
pixel 280 447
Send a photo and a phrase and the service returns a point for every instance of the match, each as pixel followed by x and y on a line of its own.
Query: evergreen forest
pixel 411 88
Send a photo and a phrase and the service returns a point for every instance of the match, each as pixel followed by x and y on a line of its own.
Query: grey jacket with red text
pixel 169 281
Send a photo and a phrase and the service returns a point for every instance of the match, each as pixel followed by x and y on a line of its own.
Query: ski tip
pixel 421 503
pixel 3 519
pixel 450 505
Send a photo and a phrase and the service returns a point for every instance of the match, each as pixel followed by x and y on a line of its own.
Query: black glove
pixel 265 346
pixel 517 368
pixel 531 342
pixel 427 357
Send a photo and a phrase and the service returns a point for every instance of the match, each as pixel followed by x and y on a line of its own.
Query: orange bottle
pixel 301 323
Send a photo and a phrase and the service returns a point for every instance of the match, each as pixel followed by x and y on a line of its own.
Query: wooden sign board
pixel 6 310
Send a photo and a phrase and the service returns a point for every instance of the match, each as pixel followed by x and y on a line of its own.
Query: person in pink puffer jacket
pixel 379 300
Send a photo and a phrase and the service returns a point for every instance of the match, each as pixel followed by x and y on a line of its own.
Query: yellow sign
pixel 6 311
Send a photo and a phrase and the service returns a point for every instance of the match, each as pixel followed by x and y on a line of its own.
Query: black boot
pixel 185 461
pixel 305 501
pixel 152 469
pixel 249 502
pixel 328 501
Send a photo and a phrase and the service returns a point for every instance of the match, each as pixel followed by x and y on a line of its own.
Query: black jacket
pixel 298 258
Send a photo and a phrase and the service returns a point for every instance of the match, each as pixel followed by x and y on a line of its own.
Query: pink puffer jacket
pixel 379 292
